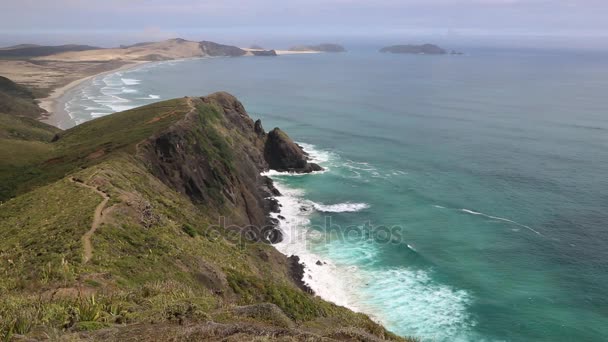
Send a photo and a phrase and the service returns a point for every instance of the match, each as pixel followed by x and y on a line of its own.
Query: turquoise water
pixel 487 171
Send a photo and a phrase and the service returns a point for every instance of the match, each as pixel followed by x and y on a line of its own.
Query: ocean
pixel 465 198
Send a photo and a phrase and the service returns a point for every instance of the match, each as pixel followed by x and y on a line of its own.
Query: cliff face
pixel 215 155
pixel 214 49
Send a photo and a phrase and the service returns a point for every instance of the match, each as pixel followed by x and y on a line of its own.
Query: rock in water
pixel 282 154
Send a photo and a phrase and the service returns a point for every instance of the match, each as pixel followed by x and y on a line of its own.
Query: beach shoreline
pixel 54 104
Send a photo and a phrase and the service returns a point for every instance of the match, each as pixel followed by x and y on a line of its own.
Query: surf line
pixel 501 219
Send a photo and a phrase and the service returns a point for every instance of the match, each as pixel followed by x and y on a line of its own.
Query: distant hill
pixel 325 47
pixel 136 45
pixel 150 51
pixel 20 46
pixel 215 49
pixel 425 49
pixel 28 50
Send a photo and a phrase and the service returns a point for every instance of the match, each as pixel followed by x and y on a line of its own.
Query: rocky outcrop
pixel 215 155
pixel 283 154
pixel 215 50
pixel 264 53
pixel 425 49
pixel 297 273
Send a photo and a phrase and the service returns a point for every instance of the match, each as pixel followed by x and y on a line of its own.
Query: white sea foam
pixel 410 302
pixel 129 90
pixel 340 207
pixel 120 108
pixel 272 173
pixel 130 81
pixel 150 97
pixel 407 301
pixel 315 155
pixel 99 114
pixel 324 279
pixel 472 212
pixel 345 272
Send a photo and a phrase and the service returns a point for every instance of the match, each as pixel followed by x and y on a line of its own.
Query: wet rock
pixel 297 273
pixel 283 154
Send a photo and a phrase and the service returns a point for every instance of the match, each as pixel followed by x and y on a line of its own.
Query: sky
pixel 113 22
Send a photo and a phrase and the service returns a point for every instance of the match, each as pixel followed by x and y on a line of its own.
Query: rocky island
pixel 425 49
pixel 325 47
pixel 153 224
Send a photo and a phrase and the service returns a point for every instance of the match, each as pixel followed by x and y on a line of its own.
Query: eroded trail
pixel 97 217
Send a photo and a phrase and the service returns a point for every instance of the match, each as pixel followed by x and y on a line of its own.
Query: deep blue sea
pixel 465 198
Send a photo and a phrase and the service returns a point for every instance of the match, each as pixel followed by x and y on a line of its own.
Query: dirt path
pixel 86 238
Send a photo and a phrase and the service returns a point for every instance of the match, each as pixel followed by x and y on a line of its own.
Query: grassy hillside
pixel 159 268
pixel 17 100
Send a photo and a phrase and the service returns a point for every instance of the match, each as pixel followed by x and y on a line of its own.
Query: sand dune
pixel 169 49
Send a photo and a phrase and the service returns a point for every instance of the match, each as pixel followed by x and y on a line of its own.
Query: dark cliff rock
pixel 297 273
pixel 215 155
pixel 425 49
pixel 282 154
pixel 215 49
pixel 266 53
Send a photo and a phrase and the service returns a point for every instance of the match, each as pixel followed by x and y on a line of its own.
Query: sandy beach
pixel 284 52
pixel 54 104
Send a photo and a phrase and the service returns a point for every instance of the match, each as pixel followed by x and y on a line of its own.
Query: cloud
pixel 170 16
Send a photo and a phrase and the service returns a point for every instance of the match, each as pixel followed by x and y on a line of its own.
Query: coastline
pixel 54 104
pixel 285 52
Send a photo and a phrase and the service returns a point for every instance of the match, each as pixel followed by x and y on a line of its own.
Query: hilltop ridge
pixel 149 51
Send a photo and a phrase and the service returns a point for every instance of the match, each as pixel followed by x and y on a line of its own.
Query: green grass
pixel 82 146
pixel 23 128
pixel 17 100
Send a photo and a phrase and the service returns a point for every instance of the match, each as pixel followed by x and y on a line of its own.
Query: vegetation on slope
pixel 17 100
pixel 160 266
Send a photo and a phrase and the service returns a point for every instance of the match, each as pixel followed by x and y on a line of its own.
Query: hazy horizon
pixel 495 23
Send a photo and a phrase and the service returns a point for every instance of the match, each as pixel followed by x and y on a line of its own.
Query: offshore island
pixel 424 49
